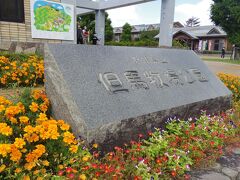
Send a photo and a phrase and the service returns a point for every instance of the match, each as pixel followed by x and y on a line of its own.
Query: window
pixel 12 10
pixel 216 45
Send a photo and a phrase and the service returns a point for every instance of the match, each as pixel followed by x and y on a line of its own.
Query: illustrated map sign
pixel 110 94
pixel 51 20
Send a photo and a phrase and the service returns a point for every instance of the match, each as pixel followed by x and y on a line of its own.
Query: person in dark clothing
pixel 223 53
pixel 79 35
pixel 95 39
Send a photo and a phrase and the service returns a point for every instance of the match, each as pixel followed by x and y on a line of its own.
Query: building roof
pixel 143 27
pixel 200 31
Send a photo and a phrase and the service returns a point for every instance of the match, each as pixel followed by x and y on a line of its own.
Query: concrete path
pixel 226 168
pixel 217 67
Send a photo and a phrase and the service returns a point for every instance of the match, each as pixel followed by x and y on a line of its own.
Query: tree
pixel 148 35
pixel 226 13
pixel 126 32
pixel 108 29
pixel 88 20
pixel 192 22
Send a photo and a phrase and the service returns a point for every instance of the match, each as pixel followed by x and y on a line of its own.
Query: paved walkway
pixel 226 168
pixel 217 67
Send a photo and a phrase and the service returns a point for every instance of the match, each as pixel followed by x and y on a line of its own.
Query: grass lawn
pixel 217 59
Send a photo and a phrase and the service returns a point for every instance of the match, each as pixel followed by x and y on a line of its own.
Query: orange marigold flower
pixel 73 148
pixel 5 129
pixel 24 119
pixel 69 138
pixel 45 163
pixel 13 120
pixel 65 127
pixel 34 107
pixel 19 143
pixel 5 149
pixel 18 170
pixel 15 154
pixel 29 166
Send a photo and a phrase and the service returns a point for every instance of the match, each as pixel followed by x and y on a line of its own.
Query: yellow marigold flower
pixel 15 154
pixel 13 120
pixel 2 108
pixel 73 148
pixel 42 117
pixel 34 107
pixel 5 149
pixel 24 119
pixel 41 148
pixel 43 107
pixel 19 143
pixel 24 150
pixel 43 171
pixel 31 137
pixel 21 107
pixel 18 170
pixel 69 138
pixel 60 166
pixel 29 129
pixel 82 177
pixel 95 146
pixel 36 172
pixel 45 163
pixel 39 178
pixel 5 129
pixel 36 93
pixel 2 167
pixel 65 127
pixel 86 158
pixel 29 166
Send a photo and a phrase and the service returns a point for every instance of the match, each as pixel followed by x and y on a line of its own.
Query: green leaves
pixel 226 13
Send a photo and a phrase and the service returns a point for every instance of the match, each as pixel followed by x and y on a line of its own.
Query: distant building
pixel 137 29
pixel 211 38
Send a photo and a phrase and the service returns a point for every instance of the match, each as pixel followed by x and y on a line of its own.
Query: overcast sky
pixel 149 13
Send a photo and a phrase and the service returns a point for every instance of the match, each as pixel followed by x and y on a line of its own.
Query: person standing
pixel 79 35
pixel 95 39
pixel 223 53
pixel 85 35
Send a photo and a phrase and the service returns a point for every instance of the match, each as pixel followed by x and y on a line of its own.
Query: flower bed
pixel 34 145
pixel 21 70
pixel 233 83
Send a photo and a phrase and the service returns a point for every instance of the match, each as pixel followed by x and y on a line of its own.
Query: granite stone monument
pixel 111 94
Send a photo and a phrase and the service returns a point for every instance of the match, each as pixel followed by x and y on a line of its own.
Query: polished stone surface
pixel 110 94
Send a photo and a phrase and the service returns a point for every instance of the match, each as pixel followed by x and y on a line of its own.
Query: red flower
pixel 60 173
pixel 150 133
pixel 173 173
pixel 158 161
pixel 192 126
pixel 137 178
pixel 68 169
pixel 71 176
pixel 140 135
pixel 97 174
pixel 212 143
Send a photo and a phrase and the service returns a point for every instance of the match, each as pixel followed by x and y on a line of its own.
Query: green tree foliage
pixel 88 20
pixel 192 22
pixel 226 13
pixel 108 29
pixel 126 32
pixel 148 35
